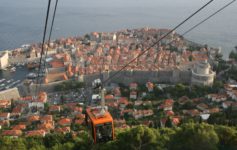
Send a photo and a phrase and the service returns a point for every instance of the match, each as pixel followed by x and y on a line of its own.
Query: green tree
pixel 195 137
pixel 138 138
pixel 227 136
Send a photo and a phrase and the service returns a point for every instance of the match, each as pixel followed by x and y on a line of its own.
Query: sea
pixel 22 21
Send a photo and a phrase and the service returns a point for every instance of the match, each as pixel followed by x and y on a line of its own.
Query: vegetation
pixel 233 55
pixel 189 136
pixel 69 85
pixel 232 73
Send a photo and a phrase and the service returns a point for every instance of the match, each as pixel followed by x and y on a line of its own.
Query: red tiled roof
pixel 33 118
pixel 35 133
pixel 12 133
pixel 64 121
pixel 5 103
pixel 54 108
pixel 19 127
pixel 63 130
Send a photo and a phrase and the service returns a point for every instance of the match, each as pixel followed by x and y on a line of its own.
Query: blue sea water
pixel 21 21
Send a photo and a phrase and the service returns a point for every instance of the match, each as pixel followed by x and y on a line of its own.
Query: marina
pixel 13 76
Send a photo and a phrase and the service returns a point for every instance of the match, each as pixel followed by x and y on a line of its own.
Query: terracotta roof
pixel 79 121
pixel 12 133
pixel 123 100
pixel 42 97
pixel 46 126
pixel 19 127
pixel 169 113
pixel 56 64
pixel 64 121
pixel 5 103
pixel 46 118
pixel 54 108
pixel 35 133
pixel 33 118
pixel 4 115
pixel 80 116
pixel 108 97
pixel 63 130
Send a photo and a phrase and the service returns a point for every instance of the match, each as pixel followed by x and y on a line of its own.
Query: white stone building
pixel 202 74
pixel 4 58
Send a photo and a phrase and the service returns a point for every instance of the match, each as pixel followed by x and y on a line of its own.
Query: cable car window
pixel 104 132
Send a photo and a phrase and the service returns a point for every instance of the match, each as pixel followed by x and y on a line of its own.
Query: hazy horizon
pixel 22 21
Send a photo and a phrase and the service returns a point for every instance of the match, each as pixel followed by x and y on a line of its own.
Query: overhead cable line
pixel 49 39
pixel 42 47
pixel 212 15
pixel 155 43
pixel 204 20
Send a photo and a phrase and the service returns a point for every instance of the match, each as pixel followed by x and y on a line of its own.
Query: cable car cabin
pixel 101 126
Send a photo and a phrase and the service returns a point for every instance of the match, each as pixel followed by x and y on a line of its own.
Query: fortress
pixel 197 74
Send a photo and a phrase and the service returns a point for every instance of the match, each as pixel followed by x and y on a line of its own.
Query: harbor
pixel 13 76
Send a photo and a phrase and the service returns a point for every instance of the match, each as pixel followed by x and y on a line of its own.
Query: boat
pixel 13 69
pixel 31 75
pixel 2 80
pixel 32 65
pixel 9 81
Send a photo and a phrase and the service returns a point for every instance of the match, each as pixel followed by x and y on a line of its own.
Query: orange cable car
pixel 102 126
pixel 100 122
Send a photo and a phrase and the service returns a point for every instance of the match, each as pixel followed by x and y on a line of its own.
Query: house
pixel 54 108
pixel 232 94
pixel 226 104
pixel 5 103
pixel 46 119
pixel 33 118
pixel 36 105
pixel 137 114
pixel 175 121
pixel 123 102
pixel 202 107
pixel 133 95
pixel 42 97
pixel 40 133
pixel 147 103
pixel 109 98
pixel 150 86
pixel 217 97
pixel 214 110
pixel 192 112
pixel 79 121
pixel 63 130
pixel 183 100
pixel 80 116
pixel 65 122
pixel 138 103
pixel 4 123
pixel 19 127
pixel 16 111
pixel 117 93
pixel 5 116
pixel 133 86
pixel 112 104
pixel 166 105
pixel 147 113
pixel 77 110
pixel 12 133
pixel 46 126
pixel 169 113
